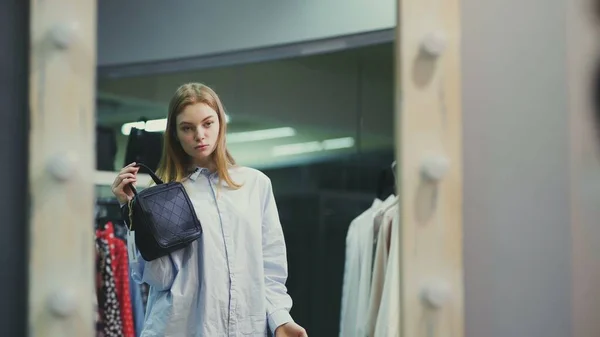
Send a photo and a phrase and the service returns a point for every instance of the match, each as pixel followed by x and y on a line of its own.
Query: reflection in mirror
pixel 319 125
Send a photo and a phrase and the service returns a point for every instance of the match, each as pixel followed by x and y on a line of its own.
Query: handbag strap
pixel 150 172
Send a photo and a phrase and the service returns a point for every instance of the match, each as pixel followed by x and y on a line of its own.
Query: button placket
pixel 230 264
pixel 228 245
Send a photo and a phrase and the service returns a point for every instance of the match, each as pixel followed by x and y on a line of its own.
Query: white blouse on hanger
pixel 381 281
pixel 358 270
pixel 357 265
pixel 388 317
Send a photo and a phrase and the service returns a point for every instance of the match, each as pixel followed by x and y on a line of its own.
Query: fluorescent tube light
pixel 152 125
pixel 338 143
pixel 159 125
pixel 316 146
pixel 253 136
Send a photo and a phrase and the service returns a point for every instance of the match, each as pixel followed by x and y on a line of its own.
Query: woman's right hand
pixel 120 186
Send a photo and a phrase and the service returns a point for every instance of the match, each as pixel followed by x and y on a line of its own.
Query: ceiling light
pixel 316 146
pixel 338 143
pixel 256 135
pixel 152 125
pixel 159 125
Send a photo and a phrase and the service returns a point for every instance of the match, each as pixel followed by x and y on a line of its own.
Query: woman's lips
pixel 201 147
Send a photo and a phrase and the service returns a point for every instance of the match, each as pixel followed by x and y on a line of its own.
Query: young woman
pixel 230 282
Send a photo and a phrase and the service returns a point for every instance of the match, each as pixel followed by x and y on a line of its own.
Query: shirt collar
pixel 376 203
pixel 198 171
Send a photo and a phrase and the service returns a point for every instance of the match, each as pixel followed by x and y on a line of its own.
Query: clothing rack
pixel 120 301
pixel 369 299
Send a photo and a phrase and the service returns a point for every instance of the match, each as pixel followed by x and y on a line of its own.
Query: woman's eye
pixel 208 124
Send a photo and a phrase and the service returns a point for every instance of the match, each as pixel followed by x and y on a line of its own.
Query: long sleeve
pixel 159 273
pixel 278 301
pixel 138 306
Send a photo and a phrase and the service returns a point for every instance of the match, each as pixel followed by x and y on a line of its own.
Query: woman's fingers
pixel 126 175
pixel 129 169
pixel 126 182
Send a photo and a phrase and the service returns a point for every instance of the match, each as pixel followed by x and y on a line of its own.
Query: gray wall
pixel 322 91
pixel 517 219
pixel 583 55
pixel 159 30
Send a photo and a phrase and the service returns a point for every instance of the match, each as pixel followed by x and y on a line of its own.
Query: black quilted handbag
pixel 162 218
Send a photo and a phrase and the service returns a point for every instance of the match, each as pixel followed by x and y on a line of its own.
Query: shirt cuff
pixel 278 318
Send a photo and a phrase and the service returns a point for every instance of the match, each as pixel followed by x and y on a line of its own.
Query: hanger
pixel 381 211
pixel 396 198
pixel 386 184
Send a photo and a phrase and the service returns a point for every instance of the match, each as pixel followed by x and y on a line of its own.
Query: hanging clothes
pixel 387 322
pixel 356 287
pixel 111 311
pixel 352 270
pixel 368 248
pixel 120 266
pixel 106 148
pixel 380 263
pixel 144 147
pixel 115 311
pixel 98 312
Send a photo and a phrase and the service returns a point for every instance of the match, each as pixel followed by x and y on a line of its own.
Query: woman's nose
pixel 200 134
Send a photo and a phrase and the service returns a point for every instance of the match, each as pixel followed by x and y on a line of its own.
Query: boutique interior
pixel 320 126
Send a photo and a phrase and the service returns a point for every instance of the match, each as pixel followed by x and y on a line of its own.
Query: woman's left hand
pixel 290 329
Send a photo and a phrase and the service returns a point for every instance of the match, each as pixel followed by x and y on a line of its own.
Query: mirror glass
pixel 314 115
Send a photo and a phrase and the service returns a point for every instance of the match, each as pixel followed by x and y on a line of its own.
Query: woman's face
pixel 198 132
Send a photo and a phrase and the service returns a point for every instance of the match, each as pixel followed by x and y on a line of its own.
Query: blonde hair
pixel 175 162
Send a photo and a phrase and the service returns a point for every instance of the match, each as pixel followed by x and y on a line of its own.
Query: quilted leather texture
pixel 164 220
pixel 171 215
